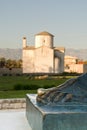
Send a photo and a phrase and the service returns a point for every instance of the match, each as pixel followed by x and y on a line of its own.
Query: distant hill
pixel 17 53
pixel 80 53
pixel 11 53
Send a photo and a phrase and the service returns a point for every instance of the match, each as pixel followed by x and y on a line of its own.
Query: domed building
pixel 43 57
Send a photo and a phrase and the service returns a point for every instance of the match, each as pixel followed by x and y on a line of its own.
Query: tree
pixel 13 63
pixel 19 63
pixel 2 62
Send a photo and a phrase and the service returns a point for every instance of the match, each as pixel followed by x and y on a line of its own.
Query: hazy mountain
pixel 80 53
pixel 17 53
pixel 11 53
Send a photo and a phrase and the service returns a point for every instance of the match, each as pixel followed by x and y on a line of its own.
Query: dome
pixel 44 38
pixel 45 33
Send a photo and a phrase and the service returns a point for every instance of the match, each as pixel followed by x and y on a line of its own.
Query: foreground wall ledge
pixel 59 117
pixel 14 103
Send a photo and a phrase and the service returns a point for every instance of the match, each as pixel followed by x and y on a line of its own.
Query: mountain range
pixel 80 53
pixel 17 53
pixel 11 53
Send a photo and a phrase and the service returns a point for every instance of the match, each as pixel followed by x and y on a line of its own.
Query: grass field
pixel 8 83
pixel 15 94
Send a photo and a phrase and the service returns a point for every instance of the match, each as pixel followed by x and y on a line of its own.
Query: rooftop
pixel 45 33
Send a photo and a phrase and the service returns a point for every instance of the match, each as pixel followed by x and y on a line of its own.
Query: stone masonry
pixel 19 103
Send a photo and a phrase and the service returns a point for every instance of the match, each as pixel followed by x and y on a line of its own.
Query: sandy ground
pixel 13 120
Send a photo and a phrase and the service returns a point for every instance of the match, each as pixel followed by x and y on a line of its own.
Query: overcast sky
pixel 65 19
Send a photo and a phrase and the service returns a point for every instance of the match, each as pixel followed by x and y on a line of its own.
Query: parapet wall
pixel 19 103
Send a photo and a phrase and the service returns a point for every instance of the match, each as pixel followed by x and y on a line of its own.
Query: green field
pixel 12 86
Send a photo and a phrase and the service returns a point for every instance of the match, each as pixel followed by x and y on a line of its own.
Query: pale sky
pixel 65 19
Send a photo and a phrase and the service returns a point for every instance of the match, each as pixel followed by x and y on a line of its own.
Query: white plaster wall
pixel 78 68
pixel 85 68
pixel 57 64
pixel 70 60
pixel 60 56
pixel 28 61
pixel 44 60
pixel 41 60
pixel 45 40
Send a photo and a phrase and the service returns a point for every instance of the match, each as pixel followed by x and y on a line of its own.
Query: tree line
pixel 10 63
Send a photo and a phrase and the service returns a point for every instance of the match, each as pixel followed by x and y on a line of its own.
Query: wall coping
pixel 13 103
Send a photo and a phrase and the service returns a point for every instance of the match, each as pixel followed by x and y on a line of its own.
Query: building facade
pixel 43 57
pixel 73 64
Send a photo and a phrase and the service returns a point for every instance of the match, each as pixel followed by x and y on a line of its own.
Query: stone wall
pixel 13 71
pixel 19 103
pixel 44 58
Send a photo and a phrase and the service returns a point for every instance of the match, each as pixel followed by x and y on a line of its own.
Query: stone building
pixel 43 57
pixel 74 64
pixel 70 60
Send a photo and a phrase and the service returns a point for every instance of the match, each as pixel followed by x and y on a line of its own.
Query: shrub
pixel 30 86
pixel 17 86
pixel 26 87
